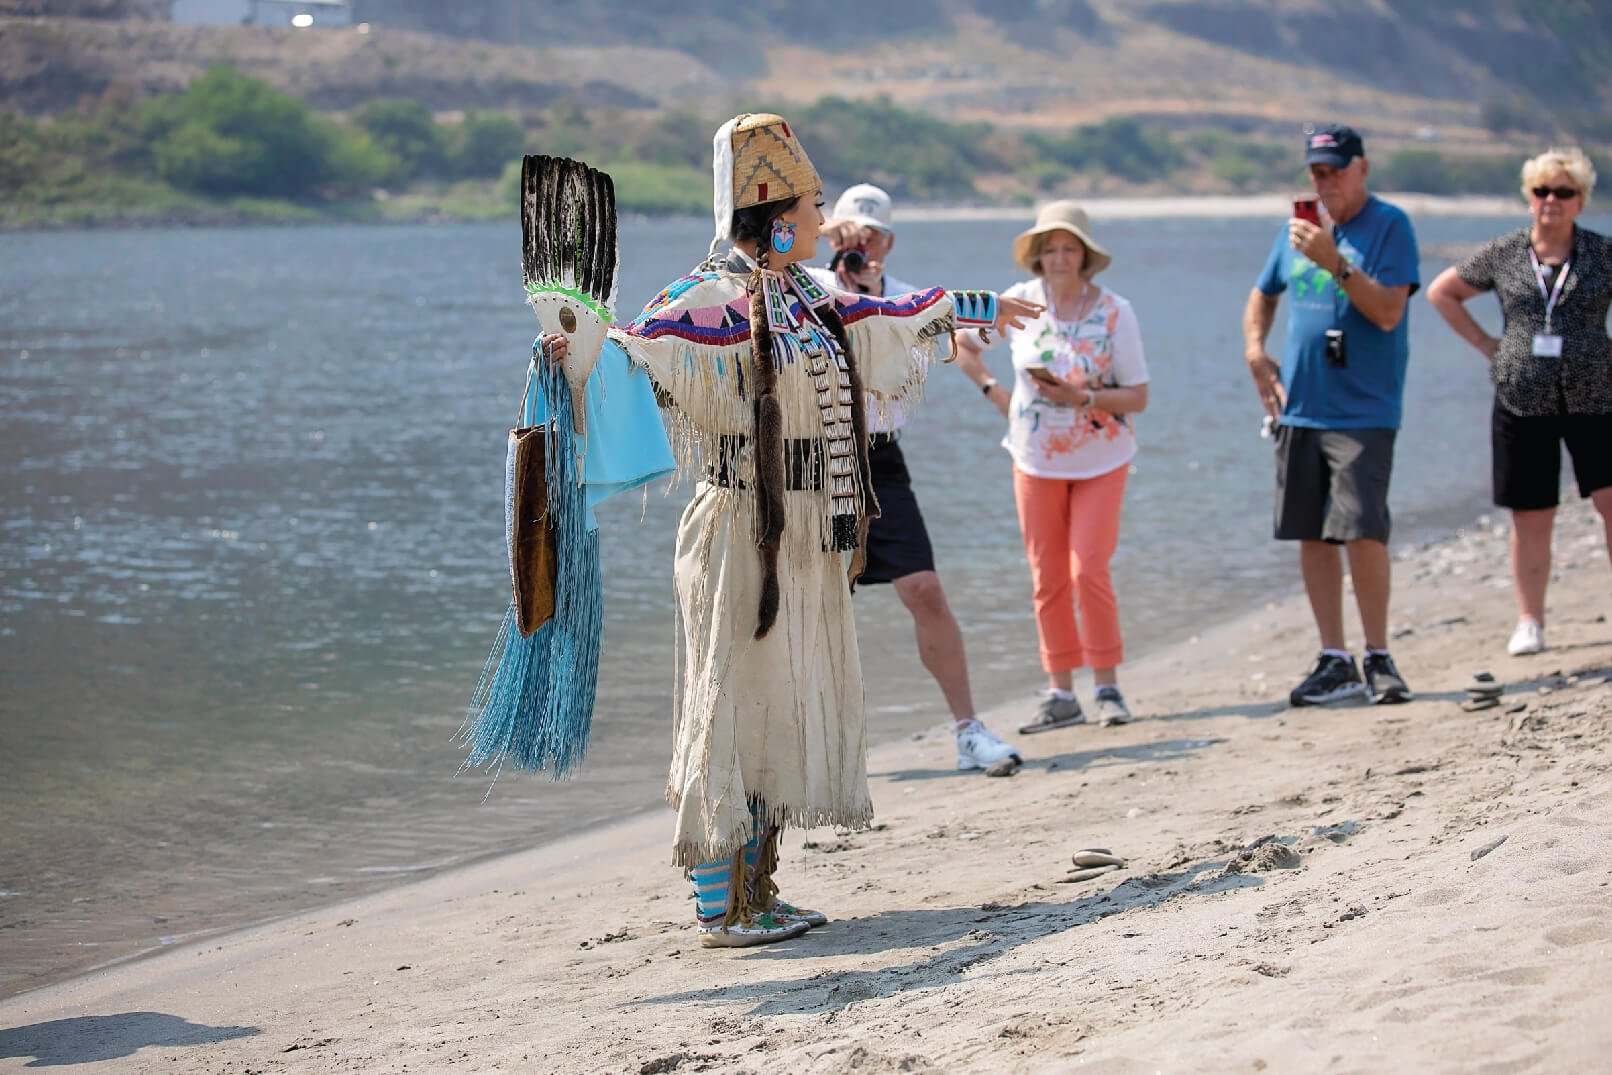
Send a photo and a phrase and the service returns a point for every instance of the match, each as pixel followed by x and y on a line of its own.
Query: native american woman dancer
pixel 765 375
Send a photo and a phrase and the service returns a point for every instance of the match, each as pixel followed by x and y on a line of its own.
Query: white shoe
pixel 1111 707
pixel 979 748
pixel 1528 638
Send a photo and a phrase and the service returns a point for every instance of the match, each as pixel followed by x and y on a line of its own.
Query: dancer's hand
pixel 1013 313
pixel 554 348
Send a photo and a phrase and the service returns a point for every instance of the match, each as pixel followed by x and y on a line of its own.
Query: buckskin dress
pixel 776 720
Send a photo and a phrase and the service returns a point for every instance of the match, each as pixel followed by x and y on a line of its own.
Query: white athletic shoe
pixel 1111 707
pixel 1528 638
pixel 979 748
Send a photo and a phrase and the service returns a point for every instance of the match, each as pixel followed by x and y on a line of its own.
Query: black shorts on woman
pixel 1543 402
pixel 1527 454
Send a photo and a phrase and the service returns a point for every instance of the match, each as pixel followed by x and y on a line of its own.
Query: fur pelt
pixel 771 469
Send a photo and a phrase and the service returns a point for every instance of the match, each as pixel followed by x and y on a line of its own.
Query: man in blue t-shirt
pixel 1336 398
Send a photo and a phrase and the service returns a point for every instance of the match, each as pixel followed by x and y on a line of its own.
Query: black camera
pixel 852 259
pixel 1337 352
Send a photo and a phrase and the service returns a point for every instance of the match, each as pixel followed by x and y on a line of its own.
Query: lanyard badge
pixel 1548 344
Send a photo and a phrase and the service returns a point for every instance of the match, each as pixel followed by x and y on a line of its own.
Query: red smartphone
pixel 1044 375
pixel 1308 209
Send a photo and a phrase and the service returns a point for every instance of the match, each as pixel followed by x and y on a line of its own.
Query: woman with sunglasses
pixel 1551 366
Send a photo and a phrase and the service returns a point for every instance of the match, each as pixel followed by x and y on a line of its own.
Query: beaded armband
pixel 974 309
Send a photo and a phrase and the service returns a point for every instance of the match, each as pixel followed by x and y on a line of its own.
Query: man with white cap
pixel 898 550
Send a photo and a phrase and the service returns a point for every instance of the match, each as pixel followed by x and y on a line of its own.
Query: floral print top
pixel 1054 440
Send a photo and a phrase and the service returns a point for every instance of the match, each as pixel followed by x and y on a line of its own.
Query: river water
pixel 252 548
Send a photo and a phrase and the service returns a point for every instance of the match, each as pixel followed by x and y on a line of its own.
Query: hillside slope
pixel 1397 67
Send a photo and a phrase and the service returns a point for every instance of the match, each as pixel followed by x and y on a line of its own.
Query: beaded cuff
pixel 974 309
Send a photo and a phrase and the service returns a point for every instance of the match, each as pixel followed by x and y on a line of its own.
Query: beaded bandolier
pixel 839 461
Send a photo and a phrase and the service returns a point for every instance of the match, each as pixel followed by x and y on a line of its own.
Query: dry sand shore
pixel 1437 897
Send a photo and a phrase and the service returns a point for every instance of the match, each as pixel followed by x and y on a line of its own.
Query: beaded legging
pixel 719 900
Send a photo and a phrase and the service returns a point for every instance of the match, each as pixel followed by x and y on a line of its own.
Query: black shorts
pixel 1332 484
pixel 1528 456
pixel 898 541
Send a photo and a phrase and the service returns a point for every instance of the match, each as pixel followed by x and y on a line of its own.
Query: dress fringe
pixel 688 854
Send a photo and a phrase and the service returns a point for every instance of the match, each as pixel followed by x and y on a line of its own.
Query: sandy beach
pixel 1352 889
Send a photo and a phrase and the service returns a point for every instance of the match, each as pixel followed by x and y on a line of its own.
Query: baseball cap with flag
pixel 1333 144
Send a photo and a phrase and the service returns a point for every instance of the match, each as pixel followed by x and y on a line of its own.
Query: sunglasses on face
pixel 1563 194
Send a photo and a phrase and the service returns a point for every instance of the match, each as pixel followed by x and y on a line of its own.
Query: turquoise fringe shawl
pixel 533 706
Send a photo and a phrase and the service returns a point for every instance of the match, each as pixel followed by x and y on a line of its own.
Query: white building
pixel 264 12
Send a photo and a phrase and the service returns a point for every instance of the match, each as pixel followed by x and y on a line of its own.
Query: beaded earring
pixel 783 236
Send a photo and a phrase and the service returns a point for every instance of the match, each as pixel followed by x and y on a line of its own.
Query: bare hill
pixel 1397 67
pixel 51 64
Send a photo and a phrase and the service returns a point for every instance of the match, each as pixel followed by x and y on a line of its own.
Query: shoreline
pixel 1101 207
pixel 1224 207
pixel 1431 537
pixel 557 957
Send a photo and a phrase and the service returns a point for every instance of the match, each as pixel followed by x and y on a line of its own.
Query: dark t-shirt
pixel 1528 385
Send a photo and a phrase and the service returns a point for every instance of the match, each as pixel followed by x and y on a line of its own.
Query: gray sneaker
pixel 1111 708
pixel 1054 712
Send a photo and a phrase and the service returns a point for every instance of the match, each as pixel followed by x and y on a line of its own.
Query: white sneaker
pixel 1528 638
pixel 1111 708
pixel 979 748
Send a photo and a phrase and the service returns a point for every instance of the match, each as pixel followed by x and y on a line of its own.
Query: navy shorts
pixel 1332 484
pixel 1528 456
pixel 898 541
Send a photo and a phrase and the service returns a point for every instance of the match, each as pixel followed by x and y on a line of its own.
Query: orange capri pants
pixel 1070 528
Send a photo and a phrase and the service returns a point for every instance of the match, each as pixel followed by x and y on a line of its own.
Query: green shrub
pixel 486 144
pixel 359 163
pixel 659 188
pixel 1044 175
pixel 1430 172
pixel 232 134
pixel 911 153
pixel 409 133
pixel 1120 147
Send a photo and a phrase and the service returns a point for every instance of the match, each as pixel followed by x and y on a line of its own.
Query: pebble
pixel 1097 856
pixel 1087 874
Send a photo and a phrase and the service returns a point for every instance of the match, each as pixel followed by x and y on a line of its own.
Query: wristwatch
pixel 1345 270
pixel 985 388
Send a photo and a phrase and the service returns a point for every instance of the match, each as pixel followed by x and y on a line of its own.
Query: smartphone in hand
pixel 1308 209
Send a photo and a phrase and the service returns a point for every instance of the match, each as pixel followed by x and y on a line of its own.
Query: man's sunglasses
pixel 1563 194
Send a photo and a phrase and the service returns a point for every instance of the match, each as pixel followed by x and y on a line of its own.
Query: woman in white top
pixel 1078 376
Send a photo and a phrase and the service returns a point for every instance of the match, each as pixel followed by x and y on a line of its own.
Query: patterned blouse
pixel 1580 381
pixel 1102 349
